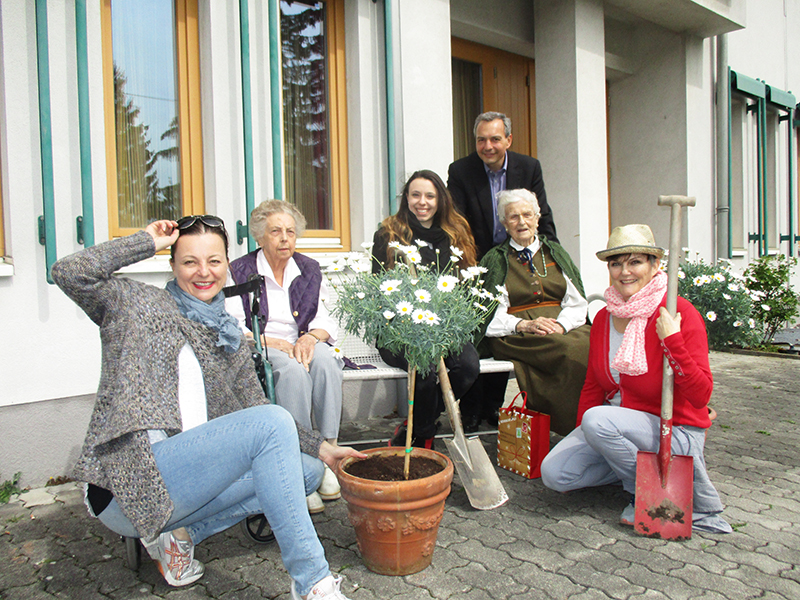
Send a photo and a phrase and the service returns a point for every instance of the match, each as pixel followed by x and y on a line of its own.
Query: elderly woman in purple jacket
pixel 296 328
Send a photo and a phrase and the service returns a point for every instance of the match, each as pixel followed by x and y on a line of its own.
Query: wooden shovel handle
pixel 676 203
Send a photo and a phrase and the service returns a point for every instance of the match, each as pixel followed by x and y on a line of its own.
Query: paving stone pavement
pixel 541 544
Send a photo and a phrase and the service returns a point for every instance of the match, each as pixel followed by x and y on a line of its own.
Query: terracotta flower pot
pixel 396 522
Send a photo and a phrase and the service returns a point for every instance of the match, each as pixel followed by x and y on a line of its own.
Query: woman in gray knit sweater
pixel 182 442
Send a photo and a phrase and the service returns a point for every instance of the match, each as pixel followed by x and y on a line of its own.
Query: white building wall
pixel 571 128
pixel 425 86
pixel 648 131
pixel 699 234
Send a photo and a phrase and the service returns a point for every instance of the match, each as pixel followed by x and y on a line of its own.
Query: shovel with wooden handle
pixel 664 483
pixel 473 465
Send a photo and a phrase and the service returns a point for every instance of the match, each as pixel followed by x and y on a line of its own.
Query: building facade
pixel 114 112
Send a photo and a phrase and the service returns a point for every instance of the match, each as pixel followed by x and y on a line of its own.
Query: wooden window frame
pixel 189 116
pixel 337 123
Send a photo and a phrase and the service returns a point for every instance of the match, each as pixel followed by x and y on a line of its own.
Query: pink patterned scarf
pixel 630 358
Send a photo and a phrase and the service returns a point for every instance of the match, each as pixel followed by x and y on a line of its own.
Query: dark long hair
pixel 446 217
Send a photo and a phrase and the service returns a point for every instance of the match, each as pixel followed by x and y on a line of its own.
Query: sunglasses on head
pixel 207 220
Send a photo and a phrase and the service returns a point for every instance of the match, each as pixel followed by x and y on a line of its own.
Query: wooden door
pixel 502 82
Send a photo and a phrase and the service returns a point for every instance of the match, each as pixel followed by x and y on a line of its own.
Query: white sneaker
pixel 327 589
pixel 329 489
pixel 175 559
pixel 314 503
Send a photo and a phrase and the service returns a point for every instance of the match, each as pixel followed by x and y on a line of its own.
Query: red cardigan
pixel 693 381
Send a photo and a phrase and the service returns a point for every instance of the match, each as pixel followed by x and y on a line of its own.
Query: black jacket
pixel 472 194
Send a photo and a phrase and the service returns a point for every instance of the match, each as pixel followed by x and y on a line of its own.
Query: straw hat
pixel 631 239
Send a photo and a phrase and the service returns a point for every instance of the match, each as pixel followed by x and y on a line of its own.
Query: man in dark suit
pixel 474 183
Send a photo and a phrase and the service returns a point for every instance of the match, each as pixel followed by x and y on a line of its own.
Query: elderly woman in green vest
pixel 542 326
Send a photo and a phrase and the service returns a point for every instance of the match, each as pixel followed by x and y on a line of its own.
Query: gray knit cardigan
pixel 142 333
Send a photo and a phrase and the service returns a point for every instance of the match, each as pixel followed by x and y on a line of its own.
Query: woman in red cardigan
pixel 620 405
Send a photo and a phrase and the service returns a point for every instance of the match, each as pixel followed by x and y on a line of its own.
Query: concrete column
pixel 425 108
pixel 571 127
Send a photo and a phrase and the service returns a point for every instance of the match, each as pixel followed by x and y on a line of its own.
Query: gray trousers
pixel 603 451
pixel 317 391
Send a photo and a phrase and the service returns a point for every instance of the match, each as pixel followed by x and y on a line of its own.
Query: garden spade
pixel 474 468
pixel 664 483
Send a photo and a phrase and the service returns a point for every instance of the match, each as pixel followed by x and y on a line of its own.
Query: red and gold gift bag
pixel 523 439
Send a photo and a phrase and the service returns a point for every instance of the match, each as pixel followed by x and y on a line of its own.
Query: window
pixel 152 108
pixel 762 195
pixel 314 117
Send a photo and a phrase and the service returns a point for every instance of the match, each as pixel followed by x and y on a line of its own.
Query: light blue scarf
pixel 211 314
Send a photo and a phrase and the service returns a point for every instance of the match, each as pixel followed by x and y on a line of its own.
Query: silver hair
pixel 262 212
pixel 512 197
pixel 491 116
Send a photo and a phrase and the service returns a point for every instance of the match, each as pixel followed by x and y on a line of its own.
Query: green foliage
pixel 411 310
pixel 10 488
pixel 774 300
pixel 722 299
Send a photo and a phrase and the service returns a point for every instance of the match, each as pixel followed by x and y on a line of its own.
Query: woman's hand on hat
pixel 666 324
pixel 164 233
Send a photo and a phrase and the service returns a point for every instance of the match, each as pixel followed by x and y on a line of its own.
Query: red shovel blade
pixel 664 511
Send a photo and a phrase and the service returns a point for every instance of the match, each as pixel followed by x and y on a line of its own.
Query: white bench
pixel 379 392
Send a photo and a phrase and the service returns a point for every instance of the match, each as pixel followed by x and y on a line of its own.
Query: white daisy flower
pixel 726 296
pixel 711 315
pixel 752 323
pixel 719 277
pixel 681 275
pixel 393 244
pixel 431 318
pixel 418 316
pixel 466 275
pixel 421 243
pixel 367 245
pixel 404 308
pixel 447 283
pixel 480 306
pixel 456 252
pixel 737 323
pixel 423 295
pixel 389 286
pixel 360 267
pixel 501 289
pixel 361 295
pixel 388 315
pixel 766 307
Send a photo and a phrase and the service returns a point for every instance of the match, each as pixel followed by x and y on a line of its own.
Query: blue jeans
pixel 243 463
pixel 603 451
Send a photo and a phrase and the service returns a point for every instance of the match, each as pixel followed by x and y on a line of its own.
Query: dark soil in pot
pixel 390 468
